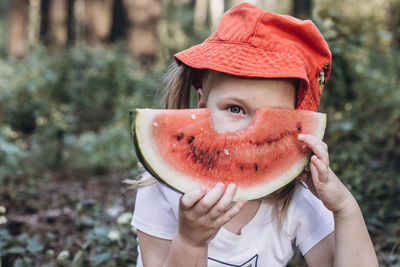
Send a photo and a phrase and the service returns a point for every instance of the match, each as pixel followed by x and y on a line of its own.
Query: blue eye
pixel 235 109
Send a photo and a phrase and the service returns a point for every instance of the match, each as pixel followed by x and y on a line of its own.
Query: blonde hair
pixel 177 96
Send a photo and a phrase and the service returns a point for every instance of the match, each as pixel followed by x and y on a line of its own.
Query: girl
pixel 255 59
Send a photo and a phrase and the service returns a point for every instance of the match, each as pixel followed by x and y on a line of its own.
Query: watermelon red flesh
pixel 181 148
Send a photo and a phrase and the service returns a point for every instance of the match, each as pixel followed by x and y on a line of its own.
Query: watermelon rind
pixel 145 148
pixel 141 128
pixel 141 158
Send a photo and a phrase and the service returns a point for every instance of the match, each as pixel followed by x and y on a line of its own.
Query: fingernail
pixel 231 186
pixel 220 185
pixel 300 136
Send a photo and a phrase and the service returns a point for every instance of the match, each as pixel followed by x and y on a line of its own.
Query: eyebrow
pixel 245 101
pixel 234 95
pixel 238 98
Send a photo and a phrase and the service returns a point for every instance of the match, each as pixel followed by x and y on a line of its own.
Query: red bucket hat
pixel 251 42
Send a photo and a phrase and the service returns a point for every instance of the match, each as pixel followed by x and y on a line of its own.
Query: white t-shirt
pixel 262 241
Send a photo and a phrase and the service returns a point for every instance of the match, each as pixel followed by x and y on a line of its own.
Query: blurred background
pixel 71 70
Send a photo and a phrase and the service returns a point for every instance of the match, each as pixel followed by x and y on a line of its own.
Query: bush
pixel 63 105
pixel 362 103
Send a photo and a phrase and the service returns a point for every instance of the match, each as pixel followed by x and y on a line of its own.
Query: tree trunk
pixel 200 15
pixel 18 18
pixel 118 22
pixel 57 22
pixel 141 34
pixel 302 9
pixel 34 22
pixel 58 26
pixel 393 21
pixel 98 19
pixel 79 21
pixel 216 12
pixel 71 33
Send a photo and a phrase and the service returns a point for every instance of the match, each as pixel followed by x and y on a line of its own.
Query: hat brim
pixel 243 60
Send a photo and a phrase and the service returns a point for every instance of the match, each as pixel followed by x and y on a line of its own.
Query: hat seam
pixel 255 30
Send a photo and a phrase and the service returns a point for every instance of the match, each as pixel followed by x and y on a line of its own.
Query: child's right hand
pixel 202 213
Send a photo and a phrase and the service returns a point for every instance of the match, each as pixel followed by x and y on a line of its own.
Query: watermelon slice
pixel 180 148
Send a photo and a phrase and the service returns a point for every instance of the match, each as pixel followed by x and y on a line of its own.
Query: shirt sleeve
pixel 310 222
pixel 153 213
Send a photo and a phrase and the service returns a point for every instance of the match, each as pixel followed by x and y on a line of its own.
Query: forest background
pixel 71 70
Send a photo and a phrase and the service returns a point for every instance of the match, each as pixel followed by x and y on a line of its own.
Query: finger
pixel 232 212
pixel 314 173
pixel 321 168
pixel 224 203
pixel 189 199
pixel 307 179
pixel 317 146
pixel 209 200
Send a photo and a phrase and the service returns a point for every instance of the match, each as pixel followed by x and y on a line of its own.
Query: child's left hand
pixel 323 182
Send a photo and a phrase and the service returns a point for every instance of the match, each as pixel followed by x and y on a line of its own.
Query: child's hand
pixel 323 182
pixel 202 214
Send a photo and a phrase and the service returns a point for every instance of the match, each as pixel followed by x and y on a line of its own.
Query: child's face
pixel 233 101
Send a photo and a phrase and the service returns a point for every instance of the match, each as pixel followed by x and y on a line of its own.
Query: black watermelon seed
pixel 269 140
pixel 190 139
pixel 256 167
pixel 241 167
pixel 180 136
pixel 298 126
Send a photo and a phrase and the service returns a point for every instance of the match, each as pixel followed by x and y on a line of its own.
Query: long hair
pixel 177 88
pixel 176 95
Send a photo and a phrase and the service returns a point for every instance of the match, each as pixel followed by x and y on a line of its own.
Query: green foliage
pixel 11 248
pixel 69 108
pixel 176 29
pixel 96 239
pixel 363 106
pixel 11 157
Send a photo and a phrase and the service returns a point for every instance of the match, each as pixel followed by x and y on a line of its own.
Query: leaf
pixel 34 245
pixel 101 258
pixel 16 250
pixel 18 263
pixel 23 238
pixel 5 235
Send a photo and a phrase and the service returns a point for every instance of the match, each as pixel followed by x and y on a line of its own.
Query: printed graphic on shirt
pixel 250 263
